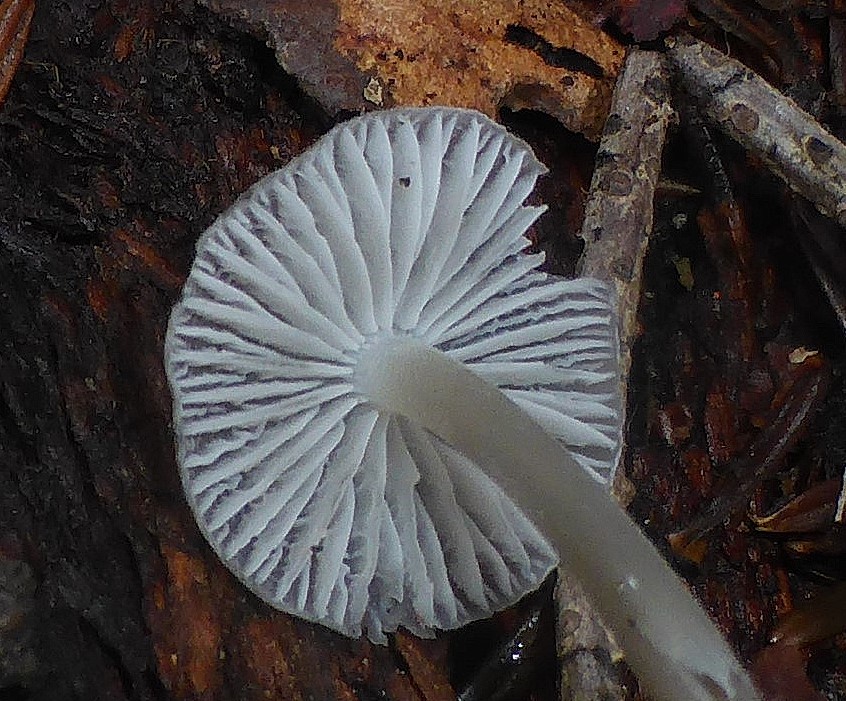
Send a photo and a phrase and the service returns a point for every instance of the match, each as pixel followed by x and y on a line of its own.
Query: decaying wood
pixel 766 122
pixel 107 176
pixel 130 126
pixel 361 54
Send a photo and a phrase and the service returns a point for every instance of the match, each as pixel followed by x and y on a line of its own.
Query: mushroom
pixel 386 416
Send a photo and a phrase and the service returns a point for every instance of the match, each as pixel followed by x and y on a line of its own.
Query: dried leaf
pixel 780 672
pixel 811 511
pixel 822 617
pixel 350 54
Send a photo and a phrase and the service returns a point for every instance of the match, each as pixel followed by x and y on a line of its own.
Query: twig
pixel 618 213
pixel 766 122
pixel 616 228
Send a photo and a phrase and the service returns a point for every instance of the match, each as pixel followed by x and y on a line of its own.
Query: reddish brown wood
pixel 129 128
pixel 15 18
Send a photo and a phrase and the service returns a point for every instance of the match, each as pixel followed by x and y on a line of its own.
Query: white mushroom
pixel 372 385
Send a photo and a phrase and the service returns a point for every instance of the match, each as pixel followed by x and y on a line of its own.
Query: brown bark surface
pixel 127 128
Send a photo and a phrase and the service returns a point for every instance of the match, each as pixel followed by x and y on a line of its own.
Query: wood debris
pixel 487 55
pixel 791 142
pixel 618 213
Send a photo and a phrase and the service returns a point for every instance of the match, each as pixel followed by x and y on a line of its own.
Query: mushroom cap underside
pixel 407 222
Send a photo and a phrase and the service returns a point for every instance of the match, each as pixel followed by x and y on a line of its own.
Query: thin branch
pixel 618 213
pixel 766 122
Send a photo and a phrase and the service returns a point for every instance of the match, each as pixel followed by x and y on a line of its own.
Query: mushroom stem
pixel 669 641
